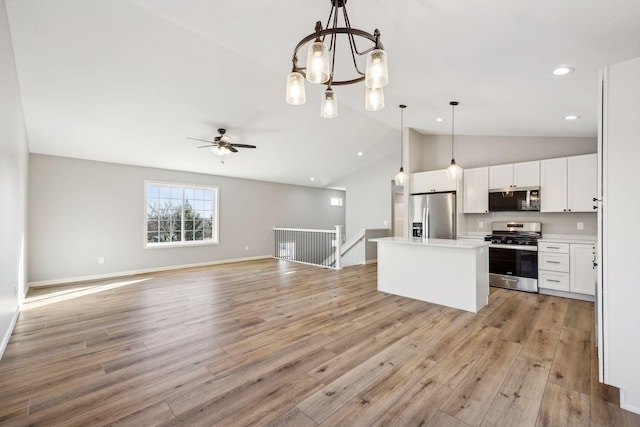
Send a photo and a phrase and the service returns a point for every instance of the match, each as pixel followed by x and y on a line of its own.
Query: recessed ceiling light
pixel 439 119
pixel 571 117
pixel 360 154
pixel 562 70
pixel 312 179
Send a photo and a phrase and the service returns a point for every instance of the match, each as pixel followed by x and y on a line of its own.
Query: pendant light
pixel 454 171
pixel 401 176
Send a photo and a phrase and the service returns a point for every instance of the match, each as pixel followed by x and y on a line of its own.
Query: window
pixel 180 215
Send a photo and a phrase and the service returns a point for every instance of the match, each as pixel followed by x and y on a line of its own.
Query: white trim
pixel 7 335
pixel 625 405
pixel 369 261
pixel 564 294
pixel 141 271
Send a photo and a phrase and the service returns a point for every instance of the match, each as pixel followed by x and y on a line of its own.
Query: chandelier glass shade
pixel 320 66
pixel 295 89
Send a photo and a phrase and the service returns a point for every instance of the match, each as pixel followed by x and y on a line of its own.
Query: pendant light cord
pixel 453 119
pixel 402 107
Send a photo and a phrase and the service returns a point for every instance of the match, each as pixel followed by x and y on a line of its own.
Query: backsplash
pixel 552 223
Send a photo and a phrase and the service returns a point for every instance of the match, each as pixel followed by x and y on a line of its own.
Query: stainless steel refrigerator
pixel 433 215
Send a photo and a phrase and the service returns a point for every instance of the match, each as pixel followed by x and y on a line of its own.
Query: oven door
pixel 514 267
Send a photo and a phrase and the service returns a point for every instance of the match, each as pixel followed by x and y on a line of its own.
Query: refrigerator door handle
pixel 425 234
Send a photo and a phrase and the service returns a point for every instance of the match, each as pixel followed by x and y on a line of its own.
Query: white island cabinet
pixel 454 273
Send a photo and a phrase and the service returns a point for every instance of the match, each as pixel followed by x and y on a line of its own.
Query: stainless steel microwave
pixel 514 199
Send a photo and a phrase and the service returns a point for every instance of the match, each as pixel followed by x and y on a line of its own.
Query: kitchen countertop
pixel 445 243
pixel 568 238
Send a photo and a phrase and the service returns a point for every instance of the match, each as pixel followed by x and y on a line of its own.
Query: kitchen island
pixel 454 273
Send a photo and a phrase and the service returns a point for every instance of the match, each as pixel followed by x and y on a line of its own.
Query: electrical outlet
pixel 480 224
pixel 101 260
pixel 246 248
pixel 581 226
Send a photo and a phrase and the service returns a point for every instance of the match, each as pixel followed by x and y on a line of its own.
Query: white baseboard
pixel 564 294
pixel 55 282
pixel 7 335
pixel 629 406
pixel 369 261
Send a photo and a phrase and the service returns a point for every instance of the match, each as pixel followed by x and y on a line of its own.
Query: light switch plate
pixel 581 226
pixel 480 224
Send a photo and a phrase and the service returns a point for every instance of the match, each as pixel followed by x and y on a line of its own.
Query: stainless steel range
pixel 513 255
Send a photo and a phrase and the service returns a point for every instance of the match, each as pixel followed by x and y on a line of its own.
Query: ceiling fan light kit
pixel 222 145
pixel 321 63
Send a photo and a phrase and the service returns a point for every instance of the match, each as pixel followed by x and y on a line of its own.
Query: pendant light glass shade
pixel 374 99
pixel 329 106
pixel 376 73
pixel 295 89
pixel 454 172
pixel 318 68
pixel 401 177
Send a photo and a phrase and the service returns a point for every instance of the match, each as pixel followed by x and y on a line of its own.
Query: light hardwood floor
pixel 282 344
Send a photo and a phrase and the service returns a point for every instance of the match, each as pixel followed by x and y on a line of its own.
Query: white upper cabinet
pixel 526 174
pixel 431 182
pixel 476 189
pixel 582 182
pixel 553 185
pixel 568 184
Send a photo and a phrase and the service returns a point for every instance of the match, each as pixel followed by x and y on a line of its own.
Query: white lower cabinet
pixel 581 270
pixel 566 267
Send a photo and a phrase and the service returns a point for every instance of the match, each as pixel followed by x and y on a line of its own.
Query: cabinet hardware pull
pixel 553 247
pixel 553 280
pixel 553 262
pixel 595 207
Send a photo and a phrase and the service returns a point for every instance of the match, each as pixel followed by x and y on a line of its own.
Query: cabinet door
pixel 422 182
pixel 441 182
pixel 500 176
pixel 581 274
pixel 476 190
pixel 582 182
pixel 553 185
pixel 526 174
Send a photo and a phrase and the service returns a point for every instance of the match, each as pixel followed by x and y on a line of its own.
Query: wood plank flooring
pixel 282 344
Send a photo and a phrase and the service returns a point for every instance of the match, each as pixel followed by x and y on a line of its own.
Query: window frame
pixel 215 230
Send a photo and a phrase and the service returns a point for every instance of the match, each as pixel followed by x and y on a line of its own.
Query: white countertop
pixel 568 238
pixel 445 243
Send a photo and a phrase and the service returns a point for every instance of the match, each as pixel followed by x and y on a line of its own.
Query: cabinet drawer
pixel 560 248
pixel 553 262
pixel 553 280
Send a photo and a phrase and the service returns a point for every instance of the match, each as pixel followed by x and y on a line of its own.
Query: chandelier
pixel 321 63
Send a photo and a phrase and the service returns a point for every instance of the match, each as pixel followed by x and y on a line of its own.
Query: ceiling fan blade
pixel 201 140
pixel 206 146
pixel 233 150
pixel 243 145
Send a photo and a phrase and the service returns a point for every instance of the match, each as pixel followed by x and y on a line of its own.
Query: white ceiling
pixel 128 80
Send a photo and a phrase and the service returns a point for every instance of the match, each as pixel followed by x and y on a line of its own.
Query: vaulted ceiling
pixel 128 80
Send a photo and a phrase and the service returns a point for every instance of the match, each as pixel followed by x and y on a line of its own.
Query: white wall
pixel 476 151
pixel 82 210
pixel 13 185
pixel 369 195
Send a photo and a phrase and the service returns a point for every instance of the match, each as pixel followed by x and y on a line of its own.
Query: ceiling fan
pixel 222 145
